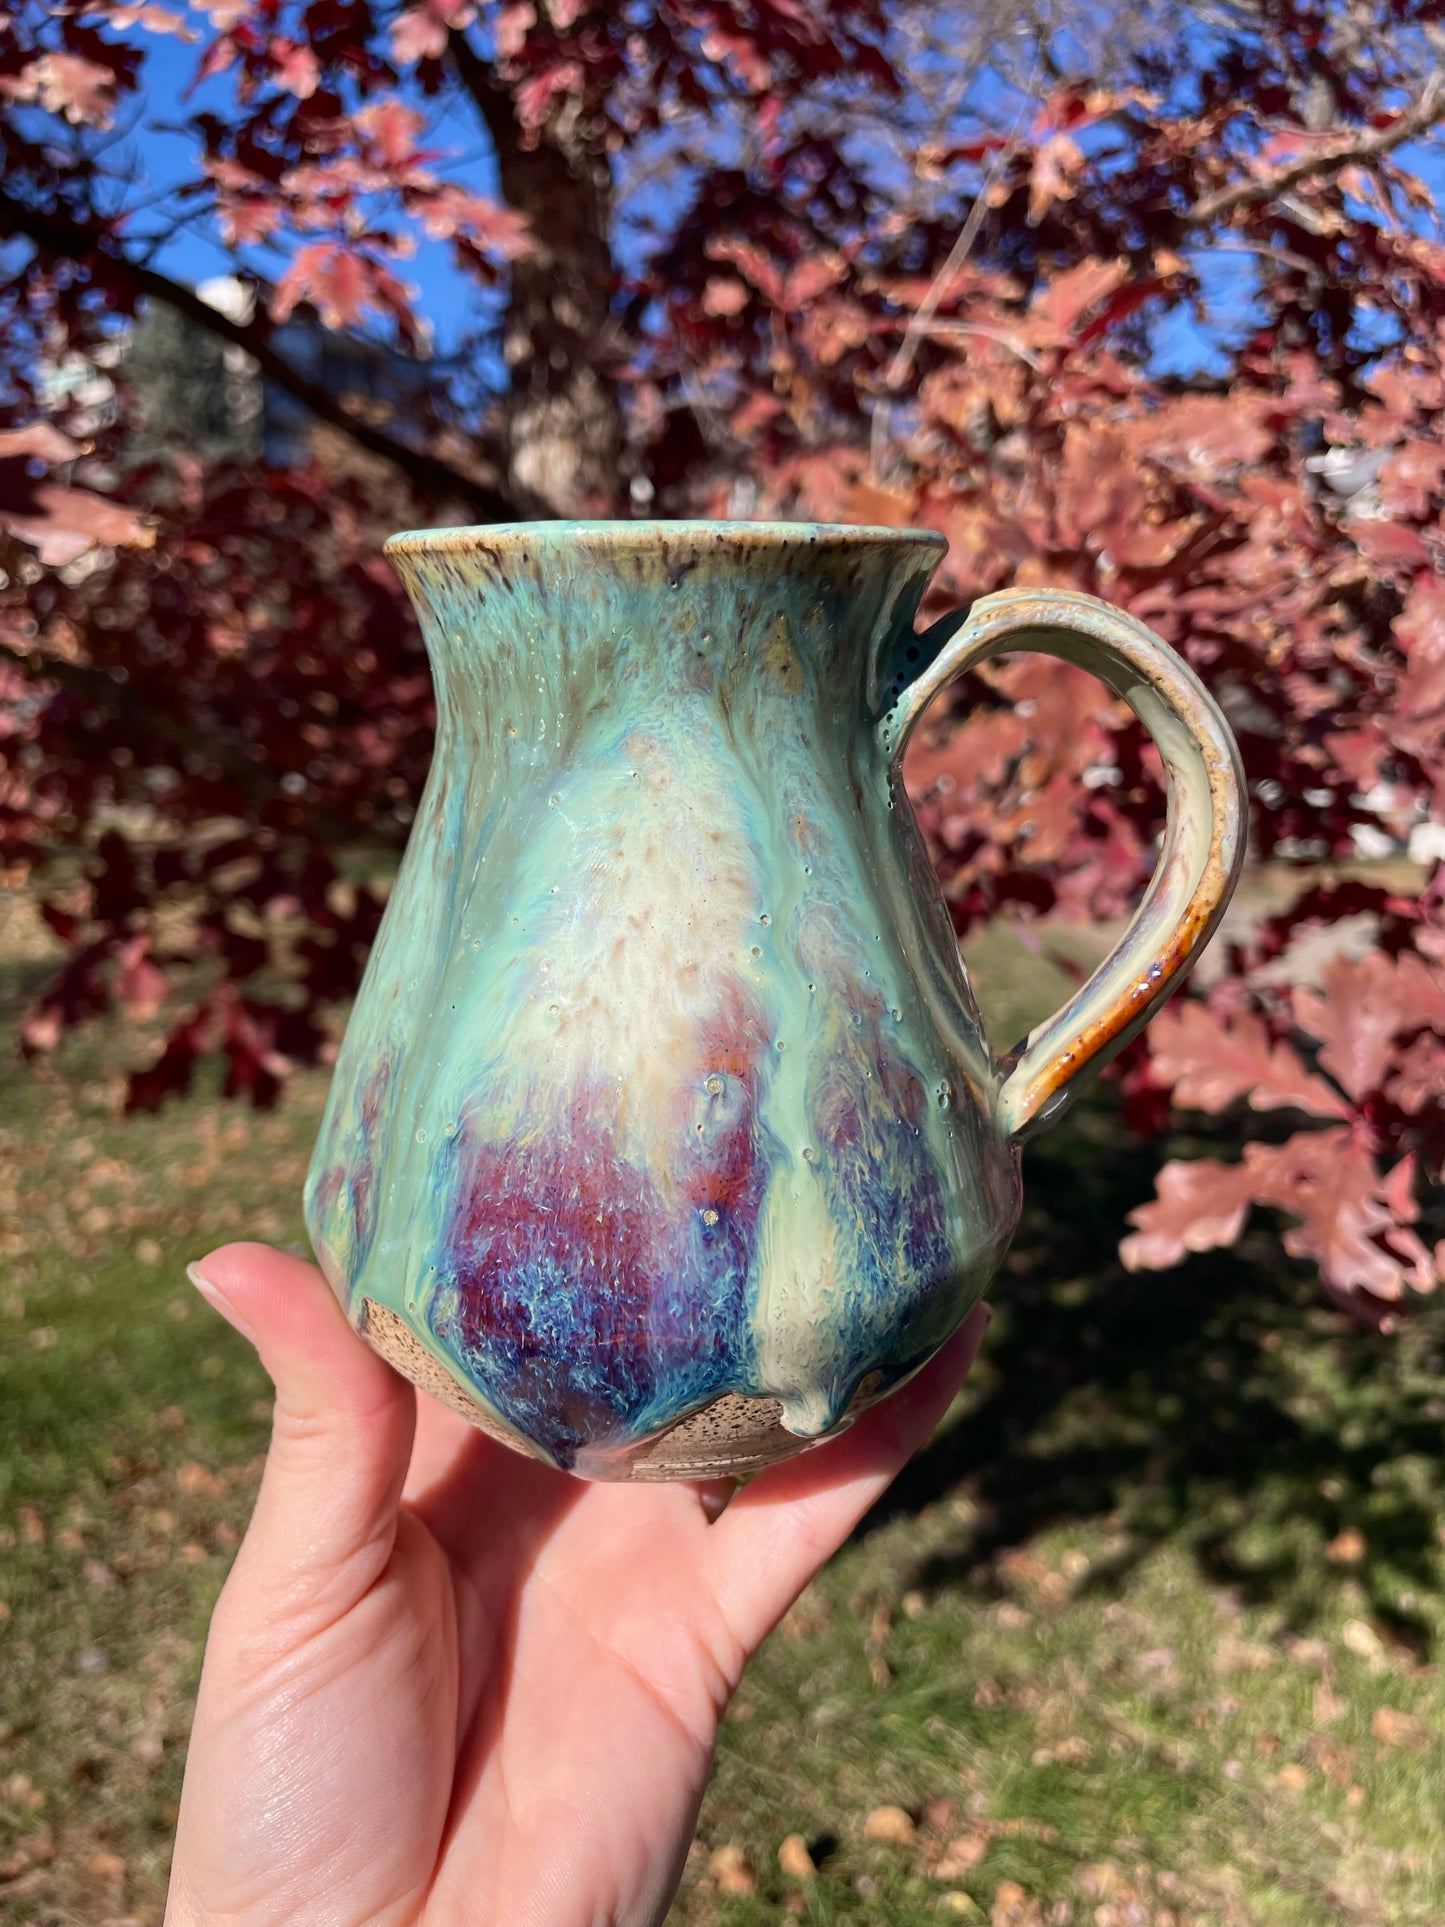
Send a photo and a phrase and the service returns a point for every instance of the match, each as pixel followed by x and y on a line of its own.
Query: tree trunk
pixel 564 431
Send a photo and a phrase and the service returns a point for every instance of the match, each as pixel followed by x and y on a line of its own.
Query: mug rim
pixel 641 533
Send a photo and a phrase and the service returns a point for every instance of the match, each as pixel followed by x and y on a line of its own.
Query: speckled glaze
pixel 664 1135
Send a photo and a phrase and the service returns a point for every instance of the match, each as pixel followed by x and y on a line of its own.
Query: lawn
pixel 1149 1635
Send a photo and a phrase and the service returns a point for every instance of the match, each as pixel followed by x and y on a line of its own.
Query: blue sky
pixel 449 300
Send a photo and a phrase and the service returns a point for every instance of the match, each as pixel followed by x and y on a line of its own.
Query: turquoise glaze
pixel 665 1112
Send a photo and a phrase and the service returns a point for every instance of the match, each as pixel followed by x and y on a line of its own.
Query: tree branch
pixel 59 235
pixel 491 99
pixel 1324 161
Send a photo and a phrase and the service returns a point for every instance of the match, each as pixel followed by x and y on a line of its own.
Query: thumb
pixel 325 1517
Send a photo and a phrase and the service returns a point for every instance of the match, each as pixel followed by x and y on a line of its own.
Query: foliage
pixel 1175 339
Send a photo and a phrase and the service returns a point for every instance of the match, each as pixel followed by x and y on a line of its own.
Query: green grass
pixel 1125 1643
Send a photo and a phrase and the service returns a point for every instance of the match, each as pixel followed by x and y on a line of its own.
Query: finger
pixel 780 1529
pixel 341 1434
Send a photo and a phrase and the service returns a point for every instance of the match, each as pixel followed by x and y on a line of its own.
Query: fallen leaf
pixel 1328 1706
pixel 728 1865
pixel 1347 1548
pixel 1394 1728
pixel 195 1479
pixel 1235 1655
pixel 1100 1878
pixel 108 1867
pixel 1293 1777
pixel 1334 1761
pixel 794 1858
pixel 31 1850
pixel 1013 1906
pixel 891 1824
pixel 1361 1639
pixel 962 1855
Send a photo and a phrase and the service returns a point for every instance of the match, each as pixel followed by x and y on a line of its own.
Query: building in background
pixel 207 398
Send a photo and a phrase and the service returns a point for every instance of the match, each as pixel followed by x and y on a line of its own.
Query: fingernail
pixel 218 1301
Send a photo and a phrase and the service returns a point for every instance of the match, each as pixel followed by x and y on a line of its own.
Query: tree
pixel 1174 337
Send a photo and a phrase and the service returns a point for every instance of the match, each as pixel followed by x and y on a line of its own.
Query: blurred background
pixel 1143 299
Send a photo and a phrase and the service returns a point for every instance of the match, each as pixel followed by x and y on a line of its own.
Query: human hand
pixel 445 1683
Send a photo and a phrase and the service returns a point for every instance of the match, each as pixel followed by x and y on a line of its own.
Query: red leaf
pixel 1061 301
pixel 393 127
pixel 812 277
pixel 1349 1216
pixel 83 91
pixel 341 283
pixel 296 68
pixel 1410 480
pixel 1363 1006
pixel 723 297
pixel 535 97
pixel 1419 1077
pixel 154 19
pixel 173 1070
pixel 140 986
pixel 1329 1180
pixel 514 22
pixel 244 221
pixel 1056 164
pixel 1212 1062
pixel 752 262
pixel 1200 1205
pixel 1206 434
pixel 66 522
pixel 417 34
pixel 38 441
pixel 1390 545
pixel 451 210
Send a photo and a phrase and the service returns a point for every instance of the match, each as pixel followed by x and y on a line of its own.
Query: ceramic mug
pixel 665 1135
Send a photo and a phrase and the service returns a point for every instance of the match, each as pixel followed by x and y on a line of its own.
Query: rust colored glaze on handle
pixel 1203 847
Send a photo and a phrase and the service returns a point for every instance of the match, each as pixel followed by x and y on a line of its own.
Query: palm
pixel 498 1700
pixel 596 1665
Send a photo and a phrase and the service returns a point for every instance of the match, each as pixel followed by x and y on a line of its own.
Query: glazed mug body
pixel 664 1135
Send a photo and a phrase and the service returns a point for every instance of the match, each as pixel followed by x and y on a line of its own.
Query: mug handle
pixel 1203 847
